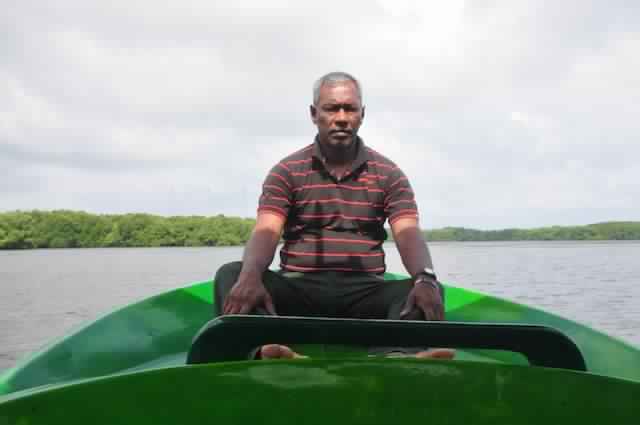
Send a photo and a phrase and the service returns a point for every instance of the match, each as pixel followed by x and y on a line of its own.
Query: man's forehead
pixel 339 91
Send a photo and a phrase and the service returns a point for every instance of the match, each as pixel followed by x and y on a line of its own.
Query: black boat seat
pixel 228 338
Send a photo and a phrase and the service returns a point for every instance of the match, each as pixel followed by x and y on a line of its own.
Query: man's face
pixel 338 114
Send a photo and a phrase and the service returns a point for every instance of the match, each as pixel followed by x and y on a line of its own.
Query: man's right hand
pixel 247 294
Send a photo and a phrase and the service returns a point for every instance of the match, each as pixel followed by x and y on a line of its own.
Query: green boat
pixel 162 361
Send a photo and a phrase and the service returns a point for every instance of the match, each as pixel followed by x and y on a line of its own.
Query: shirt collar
pixel 362 155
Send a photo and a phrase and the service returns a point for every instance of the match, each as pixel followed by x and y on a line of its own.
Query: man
pixel 331 199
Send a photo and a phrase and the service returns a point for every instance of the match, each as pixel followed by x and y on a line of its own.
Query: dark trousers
pixel 326 294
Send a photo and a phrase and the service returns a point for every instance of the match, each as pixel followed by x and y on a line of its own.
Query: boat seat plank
pixel 229 338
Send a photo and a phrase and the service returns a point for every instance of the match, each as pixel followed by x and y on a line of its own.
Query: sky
pixel 502 113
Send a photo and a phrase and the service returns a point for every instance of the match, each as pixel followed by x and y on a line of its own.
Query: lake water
pixel 46 293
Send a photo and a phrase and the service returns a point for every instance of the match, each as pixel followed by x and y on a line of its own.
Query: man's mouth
pixel 340 133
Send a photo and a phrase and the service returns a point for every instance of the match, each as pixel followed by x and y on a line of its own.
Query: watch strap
pixel 428 273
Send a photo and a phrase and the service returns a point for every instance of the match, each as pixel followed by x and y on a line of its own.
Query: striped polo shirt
pixel 336 224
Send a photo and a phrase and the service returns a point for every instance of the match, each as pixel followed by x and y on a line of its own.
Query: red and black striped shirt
pixel 336 224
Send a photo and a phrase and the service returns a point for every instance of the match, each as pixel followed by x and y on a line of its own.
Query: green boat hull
pixel 130 366
pixel 334 392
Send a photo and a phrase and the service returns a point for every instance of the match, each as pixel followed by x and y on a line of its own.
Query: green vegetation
pixel 73 229
pixel 629 230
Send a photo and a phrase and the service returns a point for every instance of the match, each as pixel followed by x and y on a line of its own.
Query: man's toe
pixel 277 351
pixel 437 353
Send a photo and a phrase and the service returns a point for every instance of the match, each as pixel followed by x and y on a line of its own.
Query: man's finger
pixel 244 308
pixel 437 311
pixel 229 306
pixel 233 309
pixel 268 304
pixel 429 309
pixel 428 312
pixel 408 306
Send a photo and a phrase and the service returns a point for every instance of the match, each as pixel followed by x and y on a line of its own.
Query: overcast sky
pixel 502 113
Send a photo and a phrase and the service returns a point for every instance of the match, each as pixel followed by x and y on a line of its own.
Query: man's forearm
pixel 258 253
pixel 413 250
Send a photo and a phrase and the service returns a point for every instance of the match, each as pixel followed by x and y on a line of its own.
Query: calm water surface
pixel 46 293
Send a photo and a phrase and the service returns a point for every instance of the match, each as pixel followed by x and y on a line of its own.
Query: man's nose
pixel 341 116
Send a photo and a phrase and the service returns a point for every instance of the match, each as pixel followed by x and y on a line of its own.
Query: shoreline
pixel 78 229
pixel 390 242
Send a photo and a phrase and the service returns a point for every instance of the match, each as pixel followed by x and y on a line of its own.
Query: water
pixel 46 293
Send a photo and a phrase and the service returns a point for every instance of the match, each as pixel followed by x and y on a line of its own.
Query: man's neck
pixel 340 157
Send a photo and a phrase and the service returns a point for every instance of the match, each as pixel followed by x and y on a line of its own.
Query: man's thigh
pixel 373 297
pixel 370 296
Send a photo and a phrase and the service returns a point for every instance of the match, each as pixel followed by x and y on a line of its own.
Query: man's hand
pixel 247 294
pixel 427 298
pixel 416 259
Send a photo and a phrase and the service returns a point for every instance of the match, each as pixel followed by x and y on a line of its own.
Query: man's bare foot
pixel 437 353
pixel 277 351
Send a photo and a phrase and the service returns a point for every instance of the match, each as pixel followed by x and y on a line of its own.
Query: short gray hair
pixel 333 78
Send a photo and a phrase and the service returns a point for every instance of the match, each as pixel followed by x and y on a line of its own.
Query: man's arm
pixel 411 245
pixel 249 292
pixel 416 257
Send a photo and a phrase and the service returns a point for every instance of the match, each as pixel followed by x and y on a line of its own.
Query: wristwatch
pixel 427 276
pixel 427 272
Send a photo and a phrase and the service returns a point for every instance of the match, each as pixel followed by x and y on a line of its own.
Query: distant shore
pixel 77 229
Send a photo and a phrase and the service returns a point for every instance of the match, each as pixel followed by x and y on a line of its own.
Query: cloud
pixel 502 113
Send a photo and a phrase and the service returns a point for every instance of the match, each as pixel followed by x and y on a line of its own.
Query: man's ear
pixel 362 116
pixel 314 113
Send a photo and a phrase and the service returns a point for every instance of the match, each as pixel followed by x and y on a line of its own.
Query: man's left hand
pixel 427 298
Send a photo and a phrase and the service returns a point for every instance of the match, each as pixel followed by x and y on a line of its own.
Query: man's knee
pixel 225 278
pixel 229 271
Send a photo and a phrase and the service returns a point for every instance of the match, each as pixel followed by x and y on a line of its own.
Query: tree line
pixel 75 229
pixel 615 230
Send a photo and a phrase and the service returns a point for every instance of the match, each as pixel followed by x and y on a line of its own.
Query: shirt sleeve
pixel 399 200
pixel 276 194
